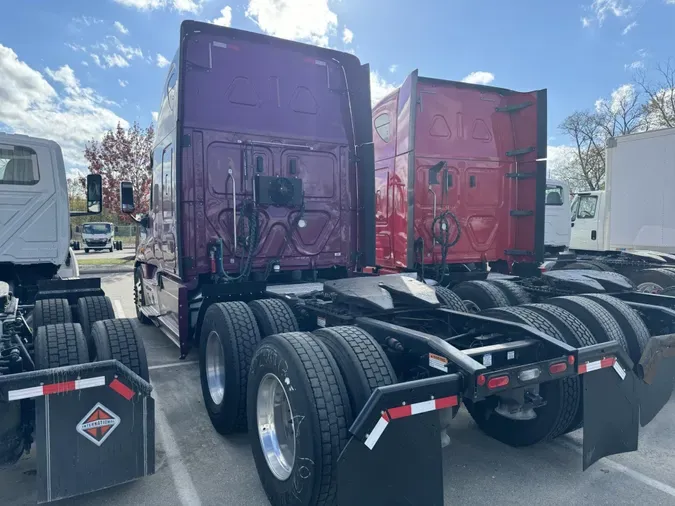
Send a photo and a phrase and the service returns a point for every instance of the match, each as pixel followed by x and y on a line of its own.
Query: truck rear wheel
pixel 515 293
pixel 589 265
pixel 60 345
pixel 91 310
pixel 599 321
pixel 480 295
pixel 50 312
pixel 298 412
pixel 361 360
pixel 449 299
pixel 273 316
pixel 561 396
pixel 228 339
pixel 635 330
pixel 653 280
pixel 117 339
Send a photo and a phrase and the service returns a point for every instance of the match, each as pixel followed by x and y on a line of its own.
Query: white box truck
pixel 630 226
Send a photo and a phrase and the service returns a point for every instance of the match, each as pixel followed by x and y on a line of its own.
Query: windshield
pixel 96 228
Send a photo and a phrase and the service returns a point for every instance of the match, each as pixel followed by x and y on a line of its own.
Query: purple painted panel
pixel 266 109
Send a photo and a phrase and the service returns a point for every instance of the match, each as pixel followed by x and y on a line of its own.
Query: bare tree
pixel 660 106
pixel 588 168
pixel 623 114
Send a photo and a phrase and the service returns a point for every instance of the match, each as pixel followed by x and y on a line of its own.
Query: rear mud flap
pixel 611 414
pixel 657 370
pixel 404 467
pixel 394 455
pixel 617 401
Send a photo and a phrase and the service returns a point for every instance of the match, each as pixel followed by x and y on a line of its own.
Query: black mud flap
pixel 394 455
pixel 611 414
pixel 657 371
pixel 94 426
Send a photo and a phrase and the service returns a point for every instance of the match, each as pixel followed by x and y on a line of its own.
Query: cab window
pixel 382 127
pixel 18 165
pixel 587 206
pixel 554 195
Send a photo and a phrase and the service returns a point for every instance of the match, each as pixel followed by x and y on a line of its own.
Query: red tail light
pixel 570 360
pixel 480 380
pixel 497 382
pixel 558 367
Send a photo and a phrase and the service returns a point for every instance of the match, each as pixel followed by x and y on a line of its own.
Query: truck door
pixel 168 232
pixel 585 220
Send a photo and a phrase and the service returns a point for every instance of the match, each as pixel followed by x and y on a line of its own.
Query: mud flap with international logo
pixel 394 456
pixel 618 399
pixel 94 426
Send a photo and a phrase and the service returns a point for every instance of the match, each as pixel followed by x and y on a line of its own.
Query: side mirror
pixel 94 194
pixel 127 197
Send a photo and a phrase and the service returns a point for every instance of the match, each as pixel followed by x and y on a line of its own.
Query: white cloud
pixel 162 61
pixel 379 88
pixel 87 20
pixel 76 47
pixel 629 28
pixel 97 60
pixel 193 6
pixel 306 20
pixel 115 60
pixel 129 52
pixel 347 36
pixel 84 63
pixel 479 77
pixel 32 106
pixel 623 94
pixel 121 28
pixel 155 116
pixel 638 64
pixel 225 18
pixel 670 2
pixel 393 68
pixel 585 22
pixel 123 83
pixel 603 8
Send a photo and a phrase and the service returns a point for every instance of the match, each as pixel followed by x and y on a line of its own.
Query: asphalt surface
pixel 105 254
pixel 197 466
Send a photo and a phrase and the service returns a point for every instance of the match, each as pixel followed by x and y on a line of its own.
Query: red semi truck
pixel 257 249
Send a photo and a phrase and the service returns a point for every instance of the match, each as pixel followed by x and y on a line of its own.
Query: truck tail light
pixel 558 367
pixel 498 382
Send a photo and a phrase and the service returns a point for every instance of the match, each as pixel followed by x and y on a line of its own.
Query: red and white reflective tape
pixel 603 364
pixel 407 410
pixel 55 388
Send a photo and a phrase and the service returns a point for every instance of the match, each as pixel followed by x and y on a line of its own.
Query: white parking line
pixel 187 493
pixel 172 364
pixel 119 311
pixel 636 475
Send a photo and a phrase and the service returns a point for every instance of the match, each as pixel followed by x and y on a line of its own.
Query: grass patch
pixel 106 261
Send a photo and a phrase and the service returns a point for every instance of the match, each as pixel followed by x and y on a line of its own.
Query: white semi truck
pixel 73 379
pixel 630 226
pixel 557 228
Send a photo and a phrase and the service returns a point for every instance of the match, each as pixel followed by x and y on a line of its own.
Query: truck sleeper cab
pixel 337 373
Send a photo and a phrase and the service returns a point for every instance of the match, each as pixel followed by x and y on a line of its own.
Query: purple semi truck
pixel 259 249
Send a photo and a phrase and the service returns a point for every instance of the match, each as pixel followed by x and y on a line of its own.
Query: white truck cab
pixel 34 213
pixel 98 236
pixel 557 228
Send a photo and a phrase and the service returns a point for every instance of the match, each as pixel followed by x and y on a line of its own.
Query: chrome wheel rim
pixel 649 287
pixel 471 306
pixel 215 367
pixel 276 428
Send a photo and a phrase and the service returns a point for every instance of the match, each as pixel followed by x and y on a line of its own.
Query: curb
pixel 105 269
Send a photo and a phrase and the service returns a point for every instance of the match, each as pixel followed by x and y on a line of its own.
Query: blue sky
pixel 70 69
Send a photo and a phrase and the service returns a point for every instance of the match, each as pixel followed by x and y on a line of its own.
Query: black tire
pixel 112 249
pixel 117 339
pixel 561 396
pixel 669 291
pixel 60 345
pixel 449 299
pixel 515 293
pixel 318 399
pixel 361 360
pixel 653 280
pixel 635 330
pixel 576 334
pixel 599 321
pixel 86 250
pixel 233 326
pixel 480 295
pixel 93 309
pixel 273 316
pixel 50 312
pixel 139 296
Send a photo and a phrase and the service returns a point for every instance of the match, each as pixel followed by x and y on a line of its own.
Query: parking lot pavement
pixel 197 466
pixel 105 254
